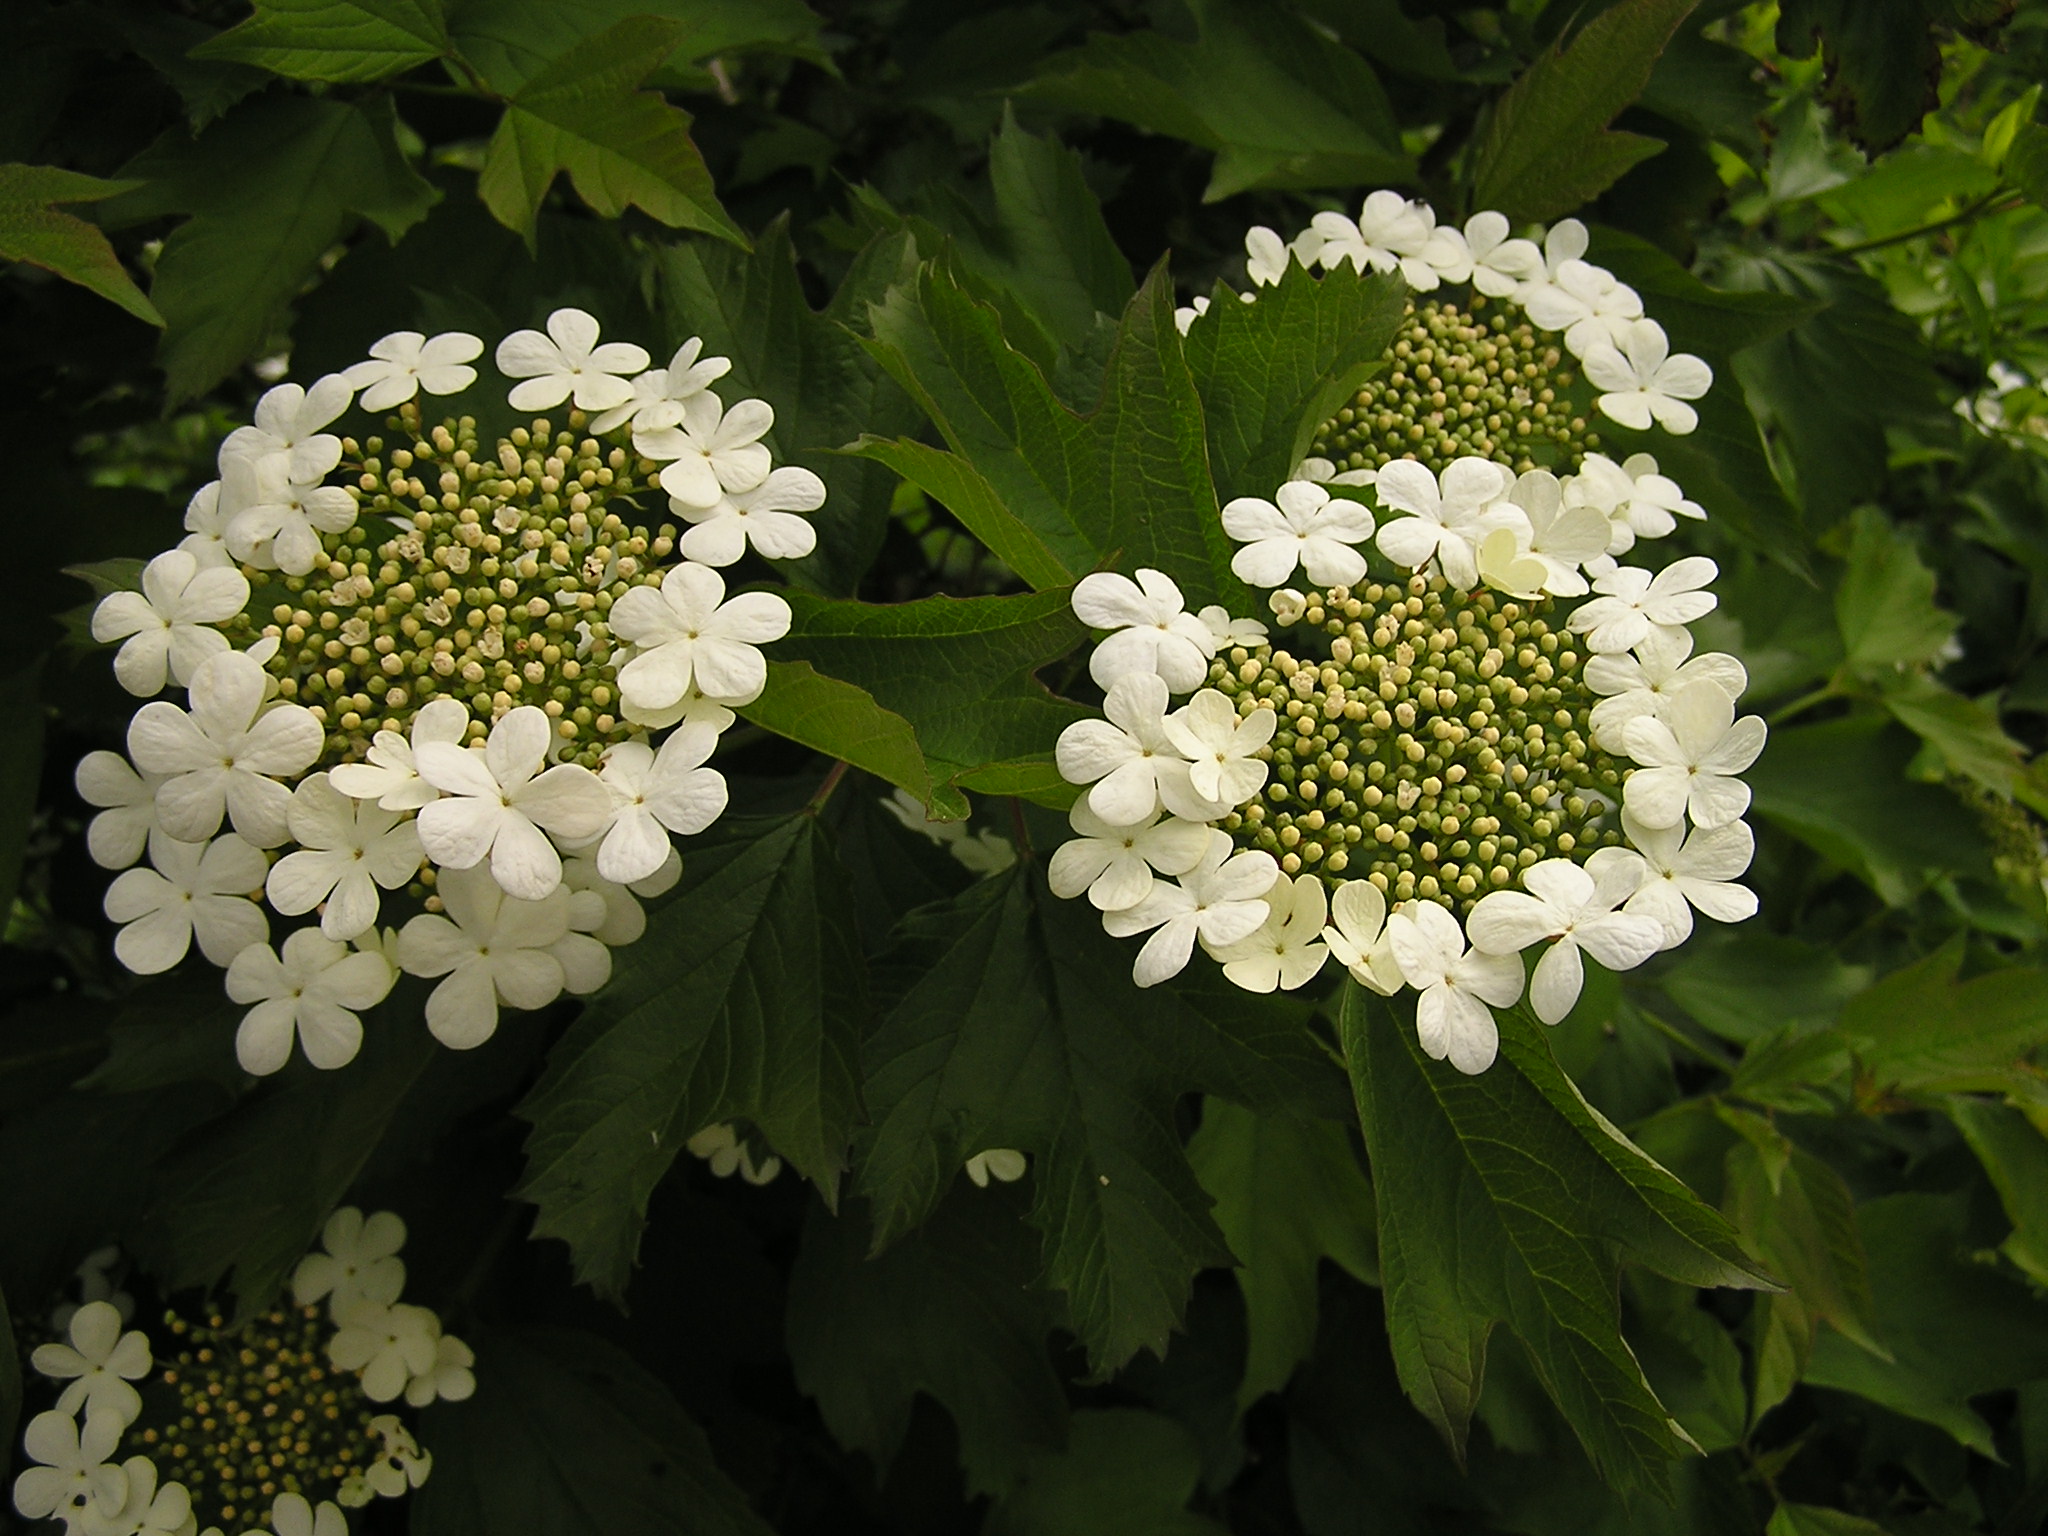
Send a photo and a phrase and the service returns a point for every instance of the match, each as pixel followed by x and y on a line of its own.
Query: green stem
pixel 1679 1037
pixel 1803 703
pixel 1990 202
pixel 817 801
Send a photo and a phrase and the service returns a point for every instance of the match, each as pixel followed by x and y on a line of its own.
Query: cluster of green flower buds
pixel 1435 744
pixel 1461 383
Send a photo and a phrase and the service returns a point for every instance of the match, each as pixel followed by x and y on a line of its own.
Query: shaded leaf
pixel 337 41
pixel 10 1390
pixel 21 770
pixel 32 229
pixel 1713 322
pixel 2015 1155
pixel 1124 1472
pixel 1885 605
pixel 1965 733
pixel 1814 1520
pixel 1883 60
pixel 841 721
pixel 511 41
pixel 1921 1031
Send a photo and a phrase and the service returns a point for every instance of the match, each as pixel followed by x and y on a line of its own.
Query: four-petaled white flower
pixel 1357 935
pixel 389 774
pixel 98 1363
pixel 1452 1016
pixel 498 803
pixel 450 1381
pixel 1690 759
pixel 282 508
pixel 206 527
pixel 1633 602
pixel 1220 900
pixel 1501 262
pixel 1287 949
pixel 662 395
pixel 347 849
pixel 1589 304
pixel 75 1474
pixel 400 1464
pixel 1222 746
pixel 168 627
pixel 726 1151
pixel 1130 759
pixel 222 756
pixel 385 1345
pixel 127 804
pixel 1391 233
pixel 1566 241
pixel 288 426
pixel 764 517
pixel 711 451
pixel 146 1509
pixel 1114 864
pixel 1637 502
pixel 1151 629
pixel 1226 630
pixel 1448 518
pixel 406 362
pixel 360 1264
pixel 1570 908
pixel 195 890
pixel 566 362
pixel 1564 538
pixel 656 793
pixel 1644 379
pixel 492 948
pixel 291 1515
pixel 311 993
pixel 1309 528
pixel 1688 870
pixel 1265 256
pixel 686 633
pixel 1644 681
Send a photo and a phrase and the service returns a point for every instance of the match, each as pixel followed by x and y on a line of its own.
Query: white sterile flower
pixel 1226 629
pixel 1308 528
pixel 1569 908
pixel 98 1363
pixel 168 627
pixel 1130 759
pixel 389 775
pixel 1644 380
pixel 1637 502
pixel 1645 681
pixel 568 362
pixel 1566 241
pixel 1501 263
pixel 386 1345
pixel 1222 746
pixel 1151 629
pixel 1266 256
pixel 347 849
pixel 1633 602
pixel 1006 1165
pixel 206 527
pixel 74 1476
pixel 1688 870
pixel 291 1515
pixel 310 993
pixel 686 633
pixel 1562 537
pixel 1219 901
pixel 400 1465
pixel 765 517
pixel 1506 565
pixel 196 890
pixel 656 793
pixel 712 451
pixel 127 802
pixel 450 1381
pixel 1287 949
pixel 660 395
pixel 498 803
pixel 360 1264
pixel 491 947
pixel 1690 759
pixel 1358 937
pixel 1452 1019
pixel 1114 864
pixel 985 853
pixel 1589 304
pixel 288 426
pixel 1187 314
pixel 406 362
pixel 623 920
pixel 283 506
pixel 147 1509
pixel 724 1149
pixel 95 1280
pixel 1448 518
pixel 1391 233
pixel 226 755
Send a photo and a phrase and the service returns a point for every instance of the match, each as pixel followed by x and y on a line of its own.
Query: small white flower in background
pixel 1568 908
pixel 386 1345
pixel 206 528
pixel 450 1381
pixel 1644 681
pixel 586 962
pixel 726 1151
pixel 1006 1165
pixel 1644 380
pixel 1358 937
pixel 1589 304
pixel 98 1363
pixel 127 802
pixel 691 709
pixel 288 425
pixel 661 396
pixel 1452 1016
pixel 222 757
pixel 400 1466
pixel 195 890
pixel 311 993
pixel 291 1515
pixel 1392 233
pixel 1321 471
pixel 406 362
pixel 1633 602
pixel 1266 256
pixel 1187 314
pixel 95 1279
pixel 360 1262
pixel 166 628
pixel 764 517
pixel 1308 529
pixel 389 775
pixel 347 849
pixel 74 1475
pixel 491 947
pixel 1114 864
pixel 1688 870
pixel 1130 759
pixel 984 853
pixel 1501 263
pixel 499 804
pixel 147 1509
pixel 623 921
pixel 1151 629
pixel 282 508
pixel 1690 759
pixel 568 363
pixel 1226 630
pixel 1222 746
pixel 1220 900
pixel 1287 949
pixel 687 632
pixel 712 451
pixel 656 793
pixel 1637 502
pixel 1448 518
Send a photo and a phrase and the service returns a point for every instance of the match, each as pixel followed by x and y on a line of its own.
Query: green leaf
pixel 2015 1155
pixel 1964 732
pixel 1714 322
pixel 1690 1361
pixel 1282 103
pixel 336 41
pixel 948 1311
pixel 21 770
pixel 10 1389
pixel 510 41
pixel 1723 467
pixel 581 115
pixel 1814 1520
pixel 843 722
pixel 741 1001
pixel 1514 1164
pixel 568 1435
pixel 1922 1031
pixel 962 489
pixel 1885 605
pixel 1289 1193
pixel 1883 61
pixel 2026 164
pixel 33 230
pixel 1546 147
pixel 1124 1472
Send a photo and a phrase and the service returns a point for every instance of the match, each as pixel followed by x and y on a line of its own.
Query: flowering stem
pixel 832 778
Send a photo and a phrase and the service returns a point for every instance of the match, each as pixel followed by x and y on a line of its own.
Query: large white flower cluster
pixel 258 1413
pixel 443 676
pixel 1505 743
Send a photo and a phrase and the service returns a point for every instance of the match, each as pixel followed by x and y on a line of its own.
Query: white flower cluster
pixel 1625 355
pixel 527 865
pixel 1149 851
pixel 388 1348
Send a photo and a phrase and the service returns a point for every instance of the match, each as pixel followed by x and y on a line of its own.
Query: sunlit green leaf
pixel 337 41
